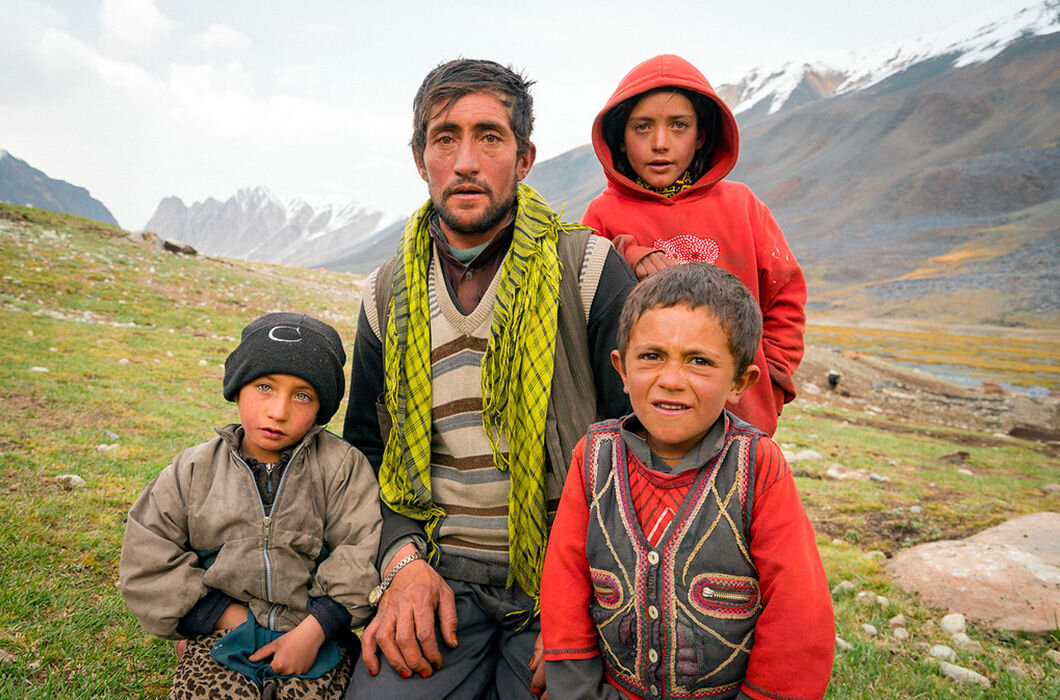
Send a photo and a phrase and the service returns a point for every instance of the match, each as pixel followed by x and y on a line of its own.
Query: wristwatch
pixel 377 592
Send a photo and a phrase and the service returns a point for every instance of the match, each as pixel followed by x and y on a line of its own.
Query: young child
pixel 681 563
pixel 666 141
pixel 259 545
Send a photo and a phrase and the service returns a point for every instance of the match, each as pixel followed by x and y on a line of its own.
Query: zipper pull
pixel 266 523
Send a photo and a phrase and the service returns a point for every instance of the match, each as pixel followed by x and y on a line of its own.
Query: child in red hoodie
pixel 667 141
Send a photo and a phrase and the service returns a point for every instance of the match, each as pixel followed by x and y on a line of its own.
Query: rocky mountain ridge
pixel 21 183
pixel 768 90
pixel 256 224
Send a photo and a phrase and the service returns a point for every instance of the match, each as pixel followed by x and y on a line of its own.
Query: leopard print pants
pixel 199 676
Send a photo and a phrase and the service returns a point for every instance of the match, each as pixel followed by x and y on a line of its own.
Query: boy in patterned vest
pixel 681 563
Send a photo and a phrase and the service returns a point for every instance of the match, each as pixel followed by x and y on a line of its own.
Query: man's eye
pixel 649 356
pixel 491 138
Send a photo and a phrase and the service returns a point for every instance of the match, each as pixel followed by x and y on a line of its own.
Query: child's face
pixel 679 373
pixel 662 137
pixel 276 411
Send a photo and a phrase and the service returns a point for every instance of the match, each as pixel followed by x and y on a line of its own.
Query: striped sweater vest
pixel 464 481
pixel 675 620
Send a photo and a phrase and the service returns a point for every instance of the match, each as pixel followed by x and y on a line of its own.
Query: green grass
pixel 133 340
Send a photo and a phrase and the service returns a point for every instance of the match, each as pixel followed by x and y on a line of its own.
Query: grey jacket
pixel 200 525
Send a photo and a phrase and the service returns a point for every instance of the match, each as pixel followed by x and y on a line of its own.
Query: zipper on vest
pixel 725 595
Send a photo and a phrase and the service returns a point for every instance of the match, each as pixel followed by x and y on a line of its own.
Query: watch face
pixel 374 596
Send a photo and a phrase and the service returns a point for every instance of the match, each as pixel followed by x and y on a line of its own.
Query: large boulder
pixel 1007 577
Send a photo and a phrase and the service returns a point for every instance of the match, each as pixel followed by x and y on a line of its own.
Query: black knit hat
pixel 295 344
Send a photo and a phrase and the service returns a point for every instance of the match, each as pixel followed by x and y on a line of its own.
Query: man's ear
pixel 616 362
pixel 418 158
pixel 524 162
pixel 744 382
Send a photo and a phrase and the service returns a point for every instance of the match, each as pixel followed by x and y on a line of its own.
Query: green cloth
pixel 516 380
pixel 235 648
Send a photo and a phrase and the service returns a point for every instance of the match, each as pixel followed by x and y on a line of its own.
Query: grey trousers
pixel 490 662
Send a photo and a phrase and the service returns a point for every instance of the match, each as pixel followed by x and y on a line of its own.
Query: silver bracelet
pixel 376 593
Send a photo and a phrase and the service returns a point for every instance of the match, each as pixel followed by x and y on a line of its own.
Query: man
pixel 486 341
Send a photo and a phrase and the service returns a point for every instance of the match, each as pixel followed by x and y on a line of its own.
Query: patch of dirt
pixel 900 400
pixel 890 529
pixel 37 410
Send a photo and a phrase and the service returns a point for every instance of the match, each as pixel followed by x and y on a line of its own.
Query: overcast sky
pixel 141 99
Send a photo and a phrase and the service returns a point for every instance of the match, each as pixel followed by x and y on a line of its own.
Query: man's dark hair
pixel 452 80
pixel 708 123
pixel 699 285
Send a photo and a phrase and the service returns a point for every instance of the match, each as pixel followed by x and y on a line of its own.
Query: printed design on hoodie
pixel 690 248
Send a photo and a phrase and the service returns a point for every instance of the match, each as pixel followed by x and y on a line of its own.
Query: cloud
pixel 132 27
pixel 220 37
pixel 297 76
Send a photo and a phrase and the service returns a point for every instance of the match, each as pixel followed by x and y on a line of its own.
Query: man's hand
pixel 537 665
pixel 296 651
pixel 403 628
pixel 652 263
pixel 233 616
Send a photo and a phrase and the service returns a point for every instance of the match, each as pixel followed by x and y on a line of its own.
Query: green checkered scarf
pixel 516 380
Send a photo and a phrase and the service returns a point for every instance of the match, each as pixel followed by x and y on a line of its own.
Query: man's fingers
pixel 415 640
pixel 388 645
pixel 447 619
pixel 368 647
pixel 425 639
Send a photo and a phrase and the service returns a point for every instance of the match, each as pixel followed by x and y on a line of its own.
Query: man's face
pixel 471 165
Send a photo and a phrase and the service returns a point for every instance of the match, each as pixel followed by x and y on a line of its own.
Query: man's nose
pixel 467 158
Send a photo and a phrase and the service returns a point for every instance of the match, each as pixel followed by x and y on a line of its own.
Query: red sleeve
pixel 782 296
pixel 567 630
pixel 795 634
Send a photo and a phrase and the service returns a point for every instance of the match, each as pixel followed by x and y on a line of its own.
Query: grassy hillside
pixel 110 363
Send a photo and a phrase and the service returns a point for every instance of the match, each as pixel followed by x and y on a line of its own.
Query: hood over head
pixel 668 70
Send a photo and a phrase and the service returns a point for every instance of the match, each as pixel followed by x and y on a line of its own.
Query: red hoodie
pixel 716 221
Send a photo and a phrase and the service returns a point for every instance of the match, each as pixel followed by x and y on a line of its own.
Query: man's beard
pixel 495 213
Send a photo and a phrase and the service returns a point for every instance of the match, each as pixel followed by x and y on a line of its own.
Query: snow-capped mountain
pixel 918 181
pixel 766 91
pixel 256 224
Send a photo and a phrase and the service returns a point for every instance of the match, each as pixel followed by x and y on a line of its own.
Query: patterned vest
pixel 676 620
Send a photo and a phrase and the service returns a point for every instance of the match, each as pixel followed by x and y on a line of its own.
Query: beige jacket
pixel 200 525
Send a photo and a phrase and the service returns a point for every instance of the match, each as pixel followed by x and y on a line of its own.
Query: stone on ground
pixel 1007 577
